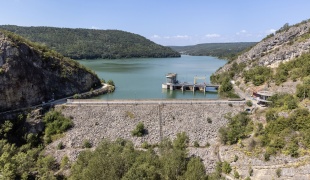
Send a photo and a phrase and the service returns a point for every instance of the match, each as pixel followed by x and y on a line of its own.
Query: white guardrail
pixel 157 101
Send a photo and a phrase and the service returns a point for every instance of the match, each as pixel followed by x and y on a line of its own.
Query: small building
pixel 171 80
pixel 262 97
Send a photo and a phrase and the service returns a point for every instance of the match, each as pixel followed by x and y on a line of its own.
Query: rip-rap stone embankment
pixel 96 122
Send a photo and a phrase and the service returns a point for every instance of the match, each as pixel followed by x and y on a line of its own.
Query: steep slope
pixel 221 50
pixel 286 44
pixel 31 74
pixel 279 62
pixel 92 44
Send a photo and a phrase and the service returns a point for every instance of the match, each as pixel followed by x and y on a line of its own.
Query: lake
pixel 141 78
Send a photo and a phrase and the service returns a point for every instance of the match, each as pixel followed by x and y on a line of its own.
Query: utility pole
pixel 160 123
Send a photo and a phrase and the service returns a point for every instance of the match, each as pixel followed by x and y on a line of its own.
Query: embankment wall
pixel 96 122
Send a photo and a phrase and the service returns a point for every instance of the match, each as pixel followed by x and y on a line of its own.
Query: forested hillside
pixel 222 50
pixel 92 44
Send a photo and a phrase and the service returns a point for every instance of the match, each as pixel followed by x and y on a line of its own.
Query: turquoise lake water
pixel 142 78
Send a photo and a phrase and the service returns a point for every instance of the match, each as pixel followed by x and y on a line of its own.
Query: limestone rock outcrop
pixel 282 46
pixel 30 76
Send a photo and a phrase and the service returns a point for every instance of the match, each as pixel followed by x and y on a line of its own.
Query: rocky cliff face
pixel 281 47
pixel 30 76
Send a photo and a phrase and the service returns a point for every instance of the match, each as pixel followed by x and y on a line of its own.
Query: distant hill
pixel 220 50
pixel 92 44
pixel 31 74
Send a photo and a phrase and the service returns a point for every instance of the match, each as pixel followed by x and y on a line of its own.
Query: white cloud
pixel 212 35
pixel 271 31
pixel 181 37
pixel 94 27
pixel 155 36
pixel 241 32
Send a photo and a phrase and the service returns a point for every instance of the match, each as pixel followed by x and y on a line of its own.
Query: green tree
pixel 238 128
pixel 111 82
pixel 139 131
pixel 226 86
pixel 195 169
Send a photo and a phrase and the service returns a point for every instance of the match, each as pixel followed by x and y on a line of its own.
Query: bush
pixel 249 103
pixel 209 120
pixel 236 158
pixel 64 162
pixel 250 171
pixel 279 172
pixel 55 123
pixel 258 75
pixel 266 156
pixel 139 131
pixel 236 174
pixel 60 145
pixel 196 144
pixel 145 145
pixel 226 167
pixel 110 82
pixel 238 128
pixel 87 144
pixel 208 145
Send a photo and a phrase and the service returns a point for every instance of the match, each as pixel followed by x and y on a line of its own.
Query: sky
pixel 166 22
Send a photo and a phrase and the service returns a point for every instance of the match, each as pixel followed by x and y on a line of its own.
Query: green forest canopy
pixel 221 50
pixel 92 44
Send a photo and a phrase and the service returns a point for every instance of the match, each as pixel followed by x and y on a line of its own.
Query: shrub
pixel 238 128
pixel 145 145
pixel 60 145
pixel 236 174
pixel 76 96
pixel 129 114
pixel 64 162
pixel 250 171
pixel 209 120
pixel 55 123
pixel 266 156
pixel 226 168
pixel 279 172
pixel 196 144
pixel 249 103
pixel 139 131
pixel 207 144
pixel 111 82
pixel 87 144
pixel 236 158
pixel 257 75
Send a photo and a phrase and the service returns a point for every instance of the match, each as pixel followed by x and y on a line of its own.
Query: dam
pixel 95 120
